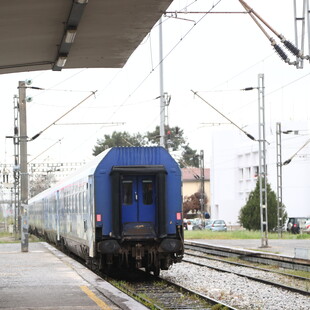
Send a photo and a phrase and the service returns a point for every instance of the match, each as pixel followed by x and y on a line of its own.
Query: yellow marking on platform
pixel 93 297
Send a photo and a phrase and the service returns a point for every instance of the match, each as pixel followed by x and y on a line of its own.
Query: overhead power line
pixel 290 159
pixel 54 123
pixel 230 121
pixel 58 141
pixel 78 124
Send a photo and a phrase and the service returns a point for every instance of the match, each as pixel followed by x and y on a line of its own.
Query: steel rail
pixel 285 262
pixel 279 285
pixel 250 266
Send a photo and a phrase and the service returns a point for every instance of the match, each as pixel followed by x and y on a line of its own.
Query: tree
pixel 174 139
pixel 190 157
pixel 192 203
pixel 40 182
pixel 249 215
pixel 117 139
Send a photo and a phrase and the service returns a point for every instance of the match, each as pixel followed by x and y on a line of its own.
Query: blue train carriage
pixel 122 209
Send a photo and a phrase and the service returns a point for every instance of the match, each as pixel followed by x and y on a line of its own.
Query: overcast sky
pixel 214 54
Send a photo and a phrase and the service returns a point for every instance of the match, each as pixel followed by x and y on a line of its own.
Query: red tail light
pixel 295 225
pixel 179 216
pixel 98 217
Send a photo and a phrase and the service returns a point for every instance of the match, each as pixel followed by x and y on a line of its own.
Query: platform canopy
pixel 56 34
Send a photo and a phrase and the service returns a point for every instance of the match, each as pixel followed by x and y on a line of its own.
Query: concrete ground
pixel 46 279
pixel 291 248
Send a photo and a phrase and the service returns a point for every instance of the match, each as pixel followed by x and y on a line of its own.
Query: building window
pixel 247 173
pixel 256 171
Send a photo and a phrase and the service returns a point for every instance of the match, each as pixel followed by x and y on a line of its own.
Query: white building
pixel 235 162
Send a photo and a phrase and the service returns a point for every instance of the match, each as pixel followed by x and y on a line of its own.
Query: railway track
pixel 296 284
pixel 238 291
pixel 197 286
pixel 272 276
pixel 264 258
pixel 157 293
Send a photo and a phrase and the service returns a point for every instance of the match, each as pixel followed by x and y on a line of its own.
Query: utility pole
pixel 23 166
pixel 16 169
pixel 262 162
pixel 202 179
pixel 279 179
pixel 164 97
pixel 161 86
pixel 301 17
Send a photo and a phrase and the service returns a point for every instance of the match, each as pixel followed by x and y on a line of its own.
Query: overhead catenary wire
pixel 230 121
pixel 290 159
pixel 144 79
pixel 46 128
pixel 58 141
pixel 165 57
pixel 267 94
pixel 154 68
pixel 78 124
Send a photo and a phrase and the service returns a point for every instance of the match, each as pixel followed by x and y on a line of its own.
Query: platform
pixel 45 278
pixel 285 247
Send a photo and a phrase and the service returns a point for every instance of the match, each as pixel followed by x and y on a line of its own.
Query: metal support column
pixel 301 16
pixel 161 86
pixel 279 179
pixel 23 166
pixel 16 170
pixel 262 162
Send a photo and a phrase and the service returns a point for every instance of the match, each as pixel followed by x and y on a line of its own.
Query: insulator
pixel 250 136
pixel 293 49
pixel 281 52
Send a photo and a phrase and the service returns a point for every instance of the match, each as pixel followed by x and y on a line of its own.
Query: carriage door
pixel 138 199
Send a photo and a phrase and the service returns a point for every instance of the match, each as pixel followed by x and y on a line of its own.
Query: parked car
pixel 296 224
pixel 216 225
pixel 198 224
pixel 187 224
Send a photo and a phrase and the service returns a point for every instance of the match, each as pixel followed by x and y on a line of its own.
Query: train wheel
pixel 147 269
pixel 156 271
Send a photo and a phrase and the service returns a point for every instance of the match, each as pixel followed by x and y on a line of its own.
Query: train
pixel 121 210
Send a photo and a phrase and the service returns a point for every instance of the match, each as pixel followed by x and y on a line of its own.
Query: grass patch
pixel 238 234
pixel 6 237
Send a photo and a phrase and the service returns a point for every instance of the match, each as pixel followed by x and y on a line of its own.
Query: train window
pixel 147 192
pixel 127 192
pixel 76 203
pixel 80 203
pixel 84 202
pixel 70 204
